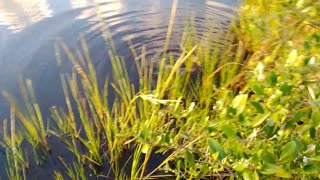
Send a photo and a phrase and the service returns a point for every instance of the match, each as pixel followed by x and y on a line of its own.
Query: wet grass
pixel 249 111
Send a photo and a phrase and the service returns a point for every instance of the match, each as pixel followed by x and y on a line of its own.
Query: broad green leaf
pixel 283 173
pixel 260 119
pixel 298 142
pixel 311 169
pixel 228 130
pixel 214 147
pixel 276 170
pixel 258 90
pixel 268 157
pixel 297 117
pixel 293 122
pixel 285 88
pixel 270 169
pixel 239 102
pixel 257 106
pixel 256 175
pixel 190 159
pixel 269 131
pixel 315 117
pixel 249 175
pixel 288 153
pixel 316 158
pixel 239 167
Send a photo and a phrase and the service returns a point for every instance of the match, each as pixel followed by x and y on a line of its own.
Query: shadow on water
pixel 27 39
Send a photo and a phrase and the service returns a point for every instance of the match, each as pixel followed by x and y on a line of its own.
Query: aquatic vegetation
pixel 248 111
pixel 16 158
pixel 34 130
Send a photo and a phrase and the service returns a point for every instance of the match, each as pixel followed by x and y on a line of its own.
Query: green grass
pixel 252 110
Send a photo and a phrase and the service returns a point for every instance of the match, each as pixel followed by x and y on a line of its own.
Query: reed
pixel 74 171
pixel 17 163
pixel 35 131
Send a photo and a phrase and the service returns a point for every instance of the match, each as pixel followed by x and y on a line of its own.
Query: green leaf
pixel 190 159
pixel 260 119
pixel 285 88
pixel 214 147
pixel 257 106
pixel 144 133
pixel 283 173
pixel 311 169
pixel 316 158
pixel 270 169
pixel 268 157
pixel 307 45
pixel 258 90
pixel 288 153
pixel 239 167
pixel 273 78
pixel 297 117
pixel 231 111
pixel 249 175
pixel 204 168
pixel 312 132
pixel 295 120
pixel 315 117
pixel 228 130
pixel 241 118
pixel 239 102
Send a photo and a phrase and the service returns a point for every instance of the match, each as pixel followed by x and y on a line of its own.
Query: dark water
pixel 29 28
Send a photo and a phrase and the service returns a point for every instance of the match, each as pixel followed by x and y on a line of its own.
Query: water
pixel 29 28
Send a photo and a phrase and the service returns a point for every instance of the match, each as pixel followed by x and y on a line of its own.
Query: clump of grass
pixel 16 157
pixel 34 131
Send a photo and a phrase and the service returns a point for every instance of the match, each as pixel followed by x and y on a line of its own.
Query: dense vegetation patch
pixel 251 111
